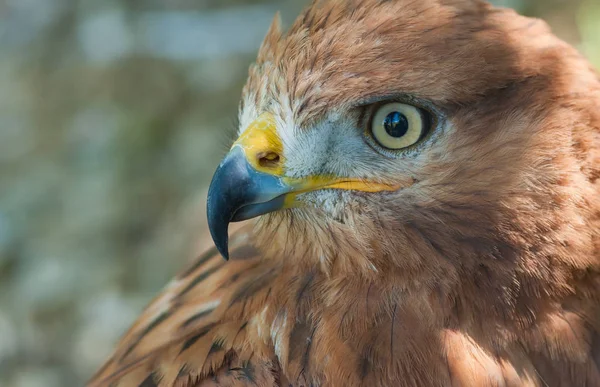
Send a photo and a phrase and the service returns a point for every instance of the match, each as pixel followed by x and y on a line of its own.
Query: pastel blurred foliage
pixel 588 18
pixel 113 115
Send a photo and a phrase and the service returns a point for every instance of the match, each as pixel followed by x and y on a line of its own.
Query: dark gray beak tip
pixel 218 219
pixel 225 196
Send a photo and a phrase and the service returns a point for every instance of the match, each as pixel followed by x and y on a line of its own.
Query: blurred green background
pixel 113 115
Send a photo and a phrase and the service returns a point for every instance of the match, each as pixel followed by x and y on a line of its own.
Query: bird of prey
pixel 424 182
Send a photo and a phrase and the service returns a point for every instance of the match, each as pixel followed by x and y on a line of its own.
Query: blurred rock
pixel 7 236
pixel 103 319
pixel 17 140
pixel 8 338
pixel 105 36
pixel 206 35
pixel 35 377
pixel 22 21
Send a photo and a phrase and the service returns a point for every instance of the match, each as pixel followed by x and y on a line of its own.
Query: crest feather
pixel 274 35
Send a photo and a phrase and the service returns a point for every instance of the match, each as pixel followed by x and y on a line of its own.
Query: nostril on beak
pixel 269 160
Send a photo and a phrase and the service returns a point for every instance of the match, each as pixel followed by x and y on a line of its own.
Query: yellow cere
pixel 260 140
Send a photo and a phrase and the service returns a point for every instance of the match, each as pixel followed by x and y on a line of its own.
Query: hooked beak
pixel 239 192
pixel 250 181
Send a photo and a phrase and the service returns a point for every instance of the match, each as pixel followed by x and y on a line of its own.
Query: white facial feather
pixel 248 114
pixel 335 146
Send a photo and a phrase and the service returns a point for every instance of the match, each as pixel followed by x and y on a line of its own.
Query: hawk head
pixel 409 137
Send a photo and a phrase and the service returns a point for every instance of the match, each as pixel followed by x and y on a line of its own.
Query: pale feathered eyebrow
pixel 398 97
pixel 381 98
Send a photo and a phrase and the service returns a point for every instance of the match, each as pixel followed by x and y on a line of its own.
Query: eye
pixel 397 125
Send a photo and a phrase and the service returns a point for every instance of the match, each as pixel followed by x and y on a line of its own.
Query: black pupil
pixel 396 124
